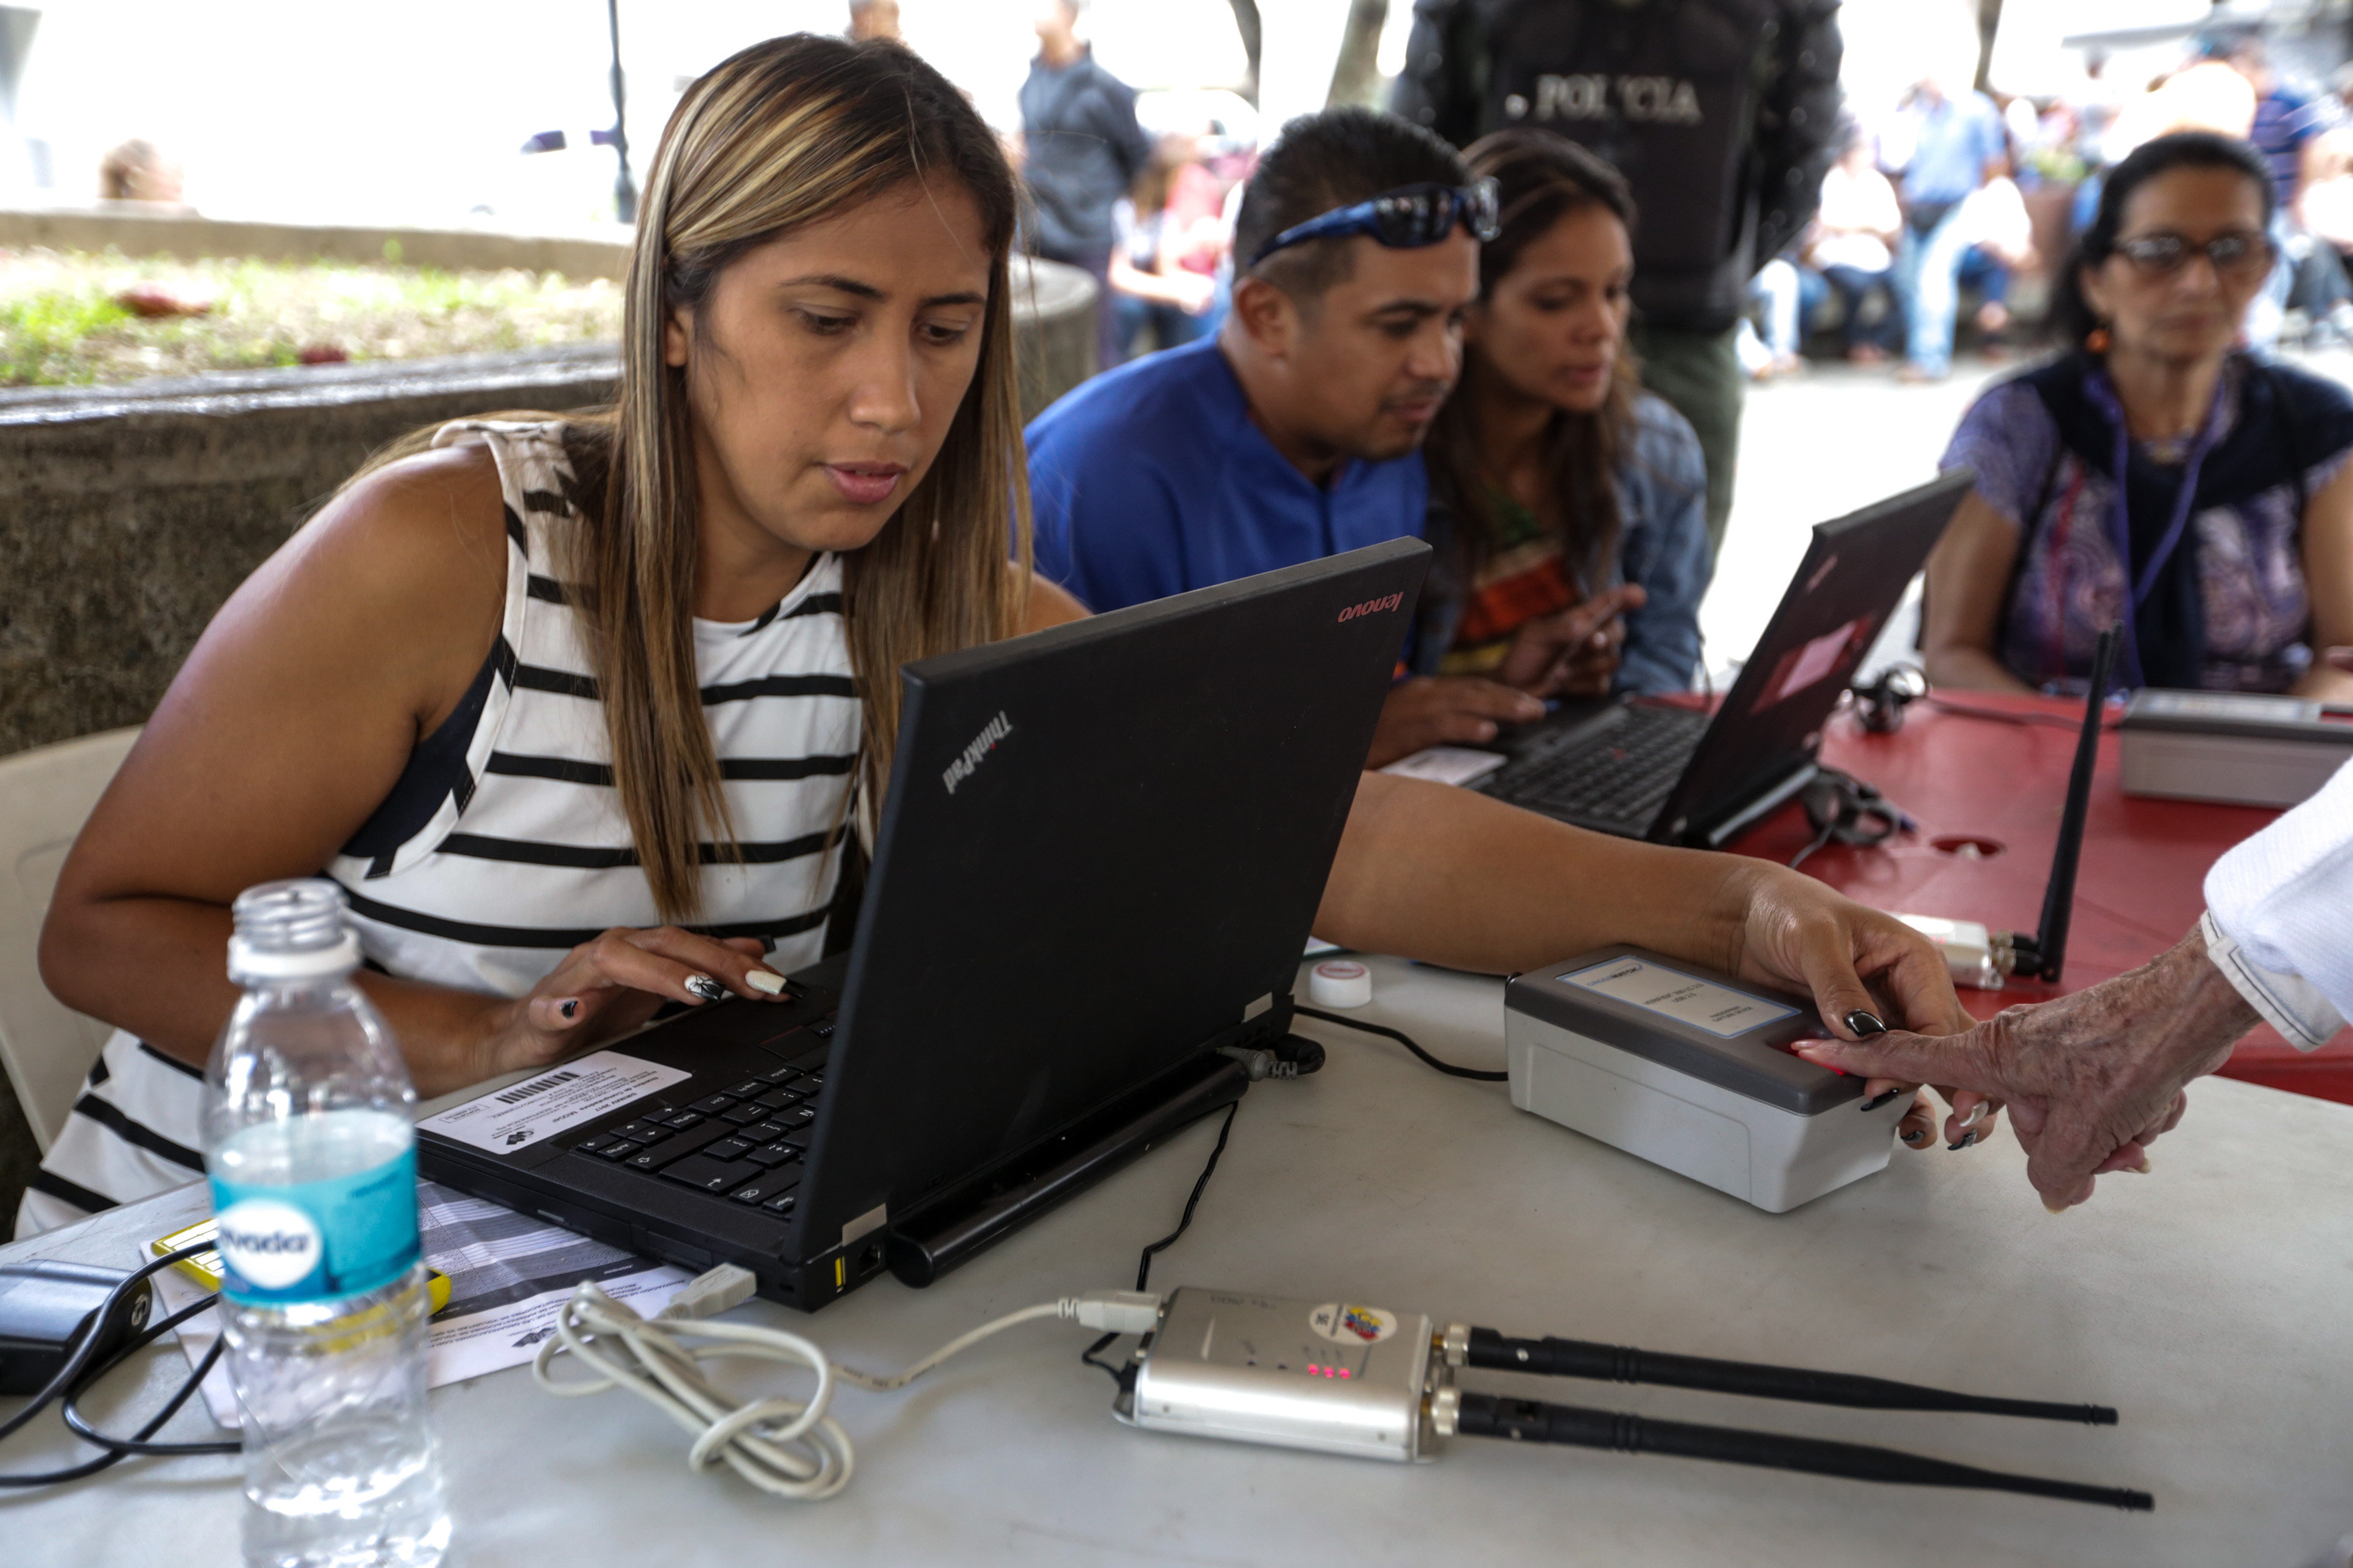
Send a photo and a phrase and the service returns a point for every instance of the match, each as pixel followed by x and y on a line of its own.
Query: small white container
pixel 1339 982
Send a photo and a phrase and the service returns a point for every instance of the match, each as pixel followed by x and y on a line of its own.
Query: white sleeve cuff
pixel 2289 1003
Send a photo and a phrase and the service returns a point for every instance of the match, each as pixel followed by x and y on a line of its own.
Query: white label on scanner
pixel 523 1113
pixel 1703 1004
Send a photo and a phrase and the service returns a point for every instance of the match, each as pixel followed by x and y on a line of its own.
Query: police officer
pixel 1722 114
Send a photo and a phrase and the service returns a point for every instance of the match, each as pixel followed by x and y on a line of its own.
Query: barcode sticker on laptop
pixel 523 1113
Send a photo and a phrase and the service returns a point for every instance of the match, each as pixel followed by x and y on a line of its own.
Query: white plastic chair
pixel 46 795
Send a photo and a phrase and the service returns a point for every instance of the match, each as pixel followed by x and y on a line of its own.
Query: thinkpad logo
pixel 996 730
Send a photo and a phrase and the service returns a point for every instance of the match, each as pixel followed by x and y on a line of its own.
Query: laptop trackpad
pixel 1567 724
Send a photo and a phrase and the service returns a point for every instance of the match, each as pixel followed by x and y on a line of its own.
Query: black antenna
pixel 1528 1421
pixel 2046 954
pixel 1620 1363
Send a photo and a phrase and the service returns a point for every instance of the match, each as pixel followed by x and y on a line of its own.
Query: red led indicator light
pixel 1344 1371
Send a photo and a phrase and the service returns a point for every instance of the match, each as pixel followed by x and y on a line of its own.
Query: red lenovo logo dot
pixel 1372 607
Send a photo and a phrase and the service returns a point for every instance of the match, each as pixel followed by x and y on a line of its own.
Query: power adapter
pixel 46 1309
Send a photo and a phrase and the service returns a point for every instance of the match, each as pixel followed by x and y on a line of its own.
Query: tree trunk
pixel 1246 22
pixel 1357 78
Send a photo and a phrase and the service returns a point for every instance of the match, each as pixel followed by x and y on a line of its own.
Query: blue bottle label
pixel 317 1241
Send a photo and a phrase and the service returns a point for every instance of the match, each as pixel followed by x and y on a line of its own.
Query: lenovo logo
pixel 1372 607
pixel 996 730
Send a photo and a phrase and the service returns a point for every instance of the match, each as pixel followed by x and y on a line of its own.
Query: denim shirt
pixel 1662 546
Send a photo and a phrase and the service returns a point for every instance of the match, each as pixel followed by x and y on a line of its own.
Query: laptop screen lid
pixel 1101 844
pixel 1769 726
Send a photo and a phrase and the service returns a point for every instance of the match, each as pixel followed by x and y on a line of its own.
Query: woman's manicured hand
pixel 607 987
pixel 1868 972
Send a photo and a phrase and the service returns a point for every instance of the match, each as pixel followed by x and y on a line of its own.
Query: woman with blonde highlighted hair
pixel 585 713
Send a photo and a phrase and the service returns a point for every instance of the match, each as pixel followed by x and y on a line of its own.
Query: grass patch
pixel 59 325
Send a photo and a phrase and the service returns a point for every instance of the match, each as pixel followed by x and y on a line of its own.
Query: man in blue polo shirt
pixel 1294 432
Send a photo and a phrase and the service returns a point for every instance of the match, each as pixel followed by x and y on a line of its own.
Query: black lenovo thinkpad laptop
pixel 1102 847
pixel 1645 770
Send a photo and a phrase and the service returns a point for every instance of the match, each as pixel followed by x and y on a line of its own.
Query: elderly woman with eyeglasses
pixel 2155 474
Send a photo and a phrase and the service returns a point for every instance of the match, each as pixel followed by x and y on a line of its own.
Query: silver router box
pixel 1334 1377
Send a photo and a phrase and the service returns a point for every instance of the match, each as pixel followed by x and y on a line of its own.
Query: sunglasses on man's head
pixel 2239 253
pixel 1406 219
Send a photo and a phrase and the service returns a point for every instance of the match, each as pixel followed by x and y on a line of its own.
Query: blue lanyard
pixel 2102 394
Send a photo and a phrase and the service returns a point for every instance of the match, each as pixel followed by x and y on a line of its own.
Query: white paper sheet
pixel 1447 764
pixel 509 1274
pixel 521 1115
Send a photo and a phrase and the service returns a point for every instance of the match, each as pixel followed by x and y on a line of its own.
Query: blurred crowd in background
pixel 1953 196
pixel 1948 200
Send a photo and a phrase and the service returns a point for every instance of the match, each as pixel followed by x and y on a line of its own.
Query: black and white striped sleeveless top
pixel 504 845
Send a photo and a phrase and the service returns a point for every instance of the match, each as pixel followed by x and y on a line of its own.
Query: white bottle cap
pixel 1341 983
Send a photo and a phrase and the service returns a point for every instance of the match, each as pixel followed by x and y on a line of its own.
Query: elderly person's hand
pixel 2091 1080
pixel 1862 967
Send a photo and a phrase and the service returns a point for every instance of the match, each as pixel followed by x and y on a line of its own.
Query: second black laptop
pixel 1676 776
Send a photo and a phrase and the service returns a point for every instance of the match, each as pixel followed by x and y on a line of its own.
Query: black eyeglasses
pixel 2240 253
pixel 1406 219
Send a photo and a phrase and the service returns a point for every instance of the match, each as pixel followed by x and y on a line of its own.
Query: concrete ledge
pixel 126 517
pixel 143 228
pixel 128 514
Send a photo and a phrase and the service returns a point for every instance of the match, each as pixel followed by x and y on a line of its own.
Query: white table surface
pixel 2211 1301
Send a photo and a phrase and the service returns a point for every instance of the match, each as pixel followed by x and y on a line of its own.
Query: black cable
pixel 73 1380
pixel 67 1374
pixel 1122 1375
pixel 1529 1421
pixel 1143 1263
pixel 79 1425
pixel 1449 1069
pixel 121 1448
pixel 1802 855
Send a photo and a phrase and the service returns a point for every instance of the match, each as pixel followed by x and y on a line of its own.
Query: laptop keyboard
pixel 745 1143
pixel 1621 777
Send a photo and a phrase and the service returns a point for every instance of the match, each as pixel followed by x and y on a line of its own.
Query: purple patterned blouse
pixel 2069 583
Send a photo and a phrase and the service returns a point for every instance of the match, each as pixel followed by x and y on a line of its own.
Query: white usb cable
pixel 786 1446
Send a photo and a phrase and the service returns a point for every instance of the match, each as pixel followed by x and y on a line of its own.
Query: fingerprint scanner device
pixel 1691 1069
pixel 1677 775
pixel 2242 748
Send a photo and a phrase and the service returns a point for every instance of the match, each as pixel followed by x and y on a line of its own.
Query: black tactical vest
pixel 1667 90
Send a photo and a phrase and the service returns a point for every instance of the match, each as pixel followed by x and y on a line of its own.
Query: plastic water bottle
pixel 310 1145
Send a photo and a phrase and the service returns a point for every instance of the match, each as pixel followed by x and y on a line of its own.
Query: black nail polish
pixel 710 990
pixel 1881 1098
pixel 1966 1140
pixel 1863 1023
pixel 570 1008
pixel 1916 1137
